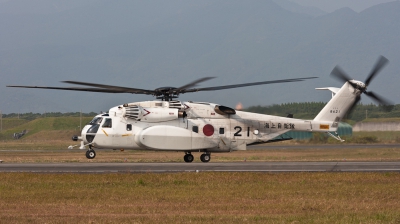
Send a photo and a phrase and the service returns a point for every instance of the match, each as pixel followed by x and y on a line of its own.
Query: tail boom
pixel 342 101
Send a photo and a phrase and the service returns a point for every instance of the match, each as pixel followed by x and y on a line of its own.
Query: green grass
pixel 388 119
pixel 9 123
pixel 33 127
pixel 386 137
pixel 207 197
pixel 382 136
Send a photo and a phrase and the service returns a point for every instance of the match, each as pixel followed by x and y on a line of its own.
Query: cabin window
pixel 129 127
pixel 107 123
pixel 195 129
pixel 221 131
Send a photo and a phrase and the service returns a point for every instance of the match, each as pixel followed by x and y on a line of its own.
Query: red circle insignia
pixel 208 130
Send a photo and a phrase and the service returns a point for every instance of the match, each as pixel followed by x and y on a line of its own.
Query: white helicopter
pixel 171 125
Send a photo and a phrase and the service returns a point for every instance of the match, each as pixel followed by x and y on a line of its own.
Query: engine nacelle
pixel 223 110
pixel 152 115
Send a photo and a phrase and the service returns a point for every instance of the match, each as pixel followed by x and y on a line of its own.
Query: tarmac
pixel 201 167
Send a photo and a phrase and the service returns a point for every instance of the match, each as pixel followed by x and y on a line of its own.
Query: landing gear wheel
pixel 90 154
pixel 205 158
pixel 188 158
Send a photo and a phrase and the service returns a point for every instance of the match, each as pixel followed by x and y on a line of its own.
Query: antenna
pixel 80 121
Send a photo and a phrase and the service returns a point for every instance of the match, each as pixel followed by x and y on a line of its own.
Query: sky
pixel 149 55
pixel 329 5
pixel 332 5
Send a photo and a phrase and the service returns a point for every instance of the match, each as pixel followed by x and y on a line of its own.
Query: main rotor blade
pixel 192 84
pixel 246 84
pixel 86 89
pixel 380 100
pixel 182 89
pixel 114 88
pixel 380 63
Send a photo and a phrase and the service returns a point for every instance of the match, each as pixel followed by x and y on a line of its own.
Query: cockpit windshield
pixel 96 120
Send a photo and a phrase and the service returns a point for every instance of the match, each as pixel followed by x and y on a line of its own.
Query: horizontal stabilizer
pixel 334 90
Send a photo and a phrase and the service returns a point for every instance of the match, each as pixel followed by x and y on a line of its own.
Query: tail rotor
pixel 339 74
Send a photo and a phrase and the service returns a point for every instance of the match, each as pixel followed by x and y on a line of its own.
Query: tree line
pixel 308 110
pixel 33 116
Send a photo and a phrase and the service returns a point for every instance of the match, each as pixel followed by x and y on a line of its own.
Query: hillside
pixel 149 44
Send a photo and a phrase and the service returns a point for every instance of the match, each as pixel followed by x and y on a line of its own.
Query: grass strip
pixel 200 197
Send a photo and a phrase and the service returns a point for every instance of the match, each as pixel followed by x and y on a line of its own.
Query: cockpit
pixel 95 124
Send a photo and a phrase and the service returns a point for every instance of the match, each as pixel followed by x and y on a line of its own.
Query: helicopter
pixel 168 124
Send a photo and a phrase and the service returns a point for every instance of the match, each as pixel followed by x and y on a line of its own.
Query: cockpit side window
pixel 107 123
pixel 96 120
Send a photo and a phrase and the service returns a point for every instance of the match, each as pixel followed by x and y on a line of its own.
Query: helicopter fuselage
pixel 187 126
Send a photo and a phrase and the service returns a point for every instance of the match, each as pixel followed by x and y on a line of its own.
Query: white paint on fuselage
pixel 231 132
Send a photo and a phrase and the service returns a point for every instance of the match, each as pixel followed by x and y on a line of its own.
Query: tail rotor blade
pixel 338 73
pixel 380 100
pixel 351 110
pixel 382 61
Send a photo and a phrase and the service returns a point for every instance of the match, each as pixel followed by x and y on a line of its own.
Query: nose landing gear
pixel 90 154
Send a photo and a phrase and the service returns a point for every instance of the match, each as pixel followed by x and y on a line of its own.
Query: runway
pixel 202 167
pixel 323 146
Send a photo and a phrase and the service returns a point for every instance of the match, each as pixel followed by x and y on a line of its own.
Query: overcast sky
pixel 45 41
pixel 328 5
pixel 332 5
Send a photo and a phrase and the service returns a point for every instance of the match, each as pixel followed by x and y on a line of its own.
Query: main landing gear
pixel 90 154
pixel 188 157
pixel 205 158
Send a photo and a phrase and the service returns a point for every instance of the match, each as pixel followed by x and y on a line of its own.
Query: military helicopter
pixel 171 125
